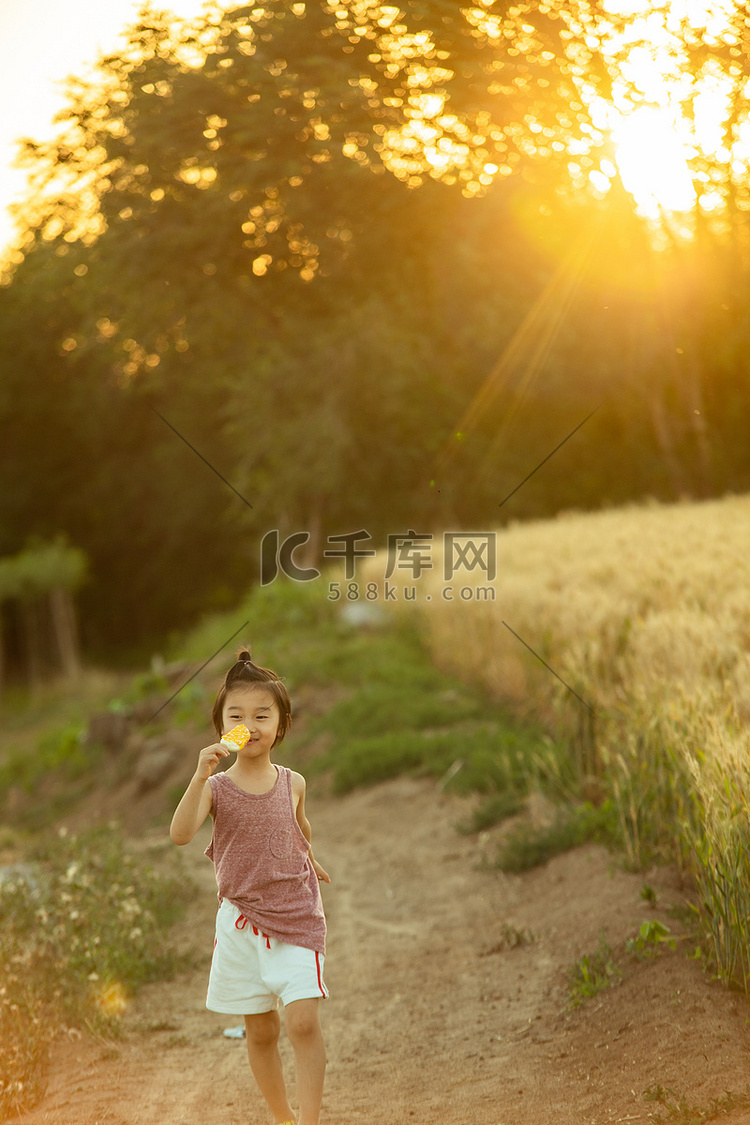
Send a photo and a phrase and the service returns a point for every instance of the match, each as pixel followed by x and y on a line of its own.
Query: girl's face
pixel 252 705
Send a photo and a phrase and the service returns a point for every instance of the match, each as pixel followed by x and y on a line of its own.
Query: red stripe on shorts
pixel 320 975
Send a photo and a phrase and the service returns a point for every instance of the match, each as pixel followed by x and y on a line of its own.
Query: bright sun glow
pixel 651 159
pixel 662 129
pixel 655 138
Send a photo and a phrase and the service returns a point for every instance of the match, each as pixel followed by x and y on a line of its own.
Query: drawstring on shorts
pixel 242 922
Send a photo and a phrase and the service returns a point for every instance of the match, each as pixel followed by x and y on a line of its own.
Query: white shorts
pixel 251 973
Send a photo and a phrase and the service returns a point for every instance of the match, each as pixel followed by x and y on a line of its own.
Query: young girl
pixel 270 928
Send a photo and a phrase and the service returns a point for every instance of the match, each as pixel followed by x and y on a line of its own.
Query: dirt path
pixel 434 1016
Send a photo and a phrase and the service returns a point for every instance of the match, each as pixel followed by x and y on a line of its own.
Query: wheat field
pixel 639 622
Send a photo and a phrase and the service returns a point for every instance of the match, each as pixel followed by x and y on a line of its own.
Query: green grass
pixel 41 733
pixel 492 811
pixel 526 847
pixel 405 717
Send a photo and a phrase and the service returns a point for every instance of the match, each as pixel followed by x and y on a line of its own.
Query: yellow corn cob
pixel 236 738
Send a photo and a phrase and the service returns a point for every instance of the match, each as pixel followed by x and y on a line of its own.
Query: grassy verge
pixel 404 716
pixel 82 924
pixel 374 705
pixel 525 847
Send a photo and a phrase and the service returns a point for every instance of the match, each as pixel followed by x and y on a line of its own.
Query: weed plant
pixel 650 940
pixel 591 974
pixel 82 923
pixel 677 1110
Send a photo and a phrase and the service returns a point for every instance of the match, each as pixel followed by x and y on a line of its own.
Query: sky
pixel 41 43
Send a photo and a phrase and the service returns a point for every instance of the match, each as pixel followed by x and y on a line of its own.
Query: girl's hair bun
pixel 244 673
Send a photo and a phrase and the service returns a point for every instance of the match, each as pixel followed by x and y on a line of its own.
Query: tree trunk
pixel 66 633
pixel 33 637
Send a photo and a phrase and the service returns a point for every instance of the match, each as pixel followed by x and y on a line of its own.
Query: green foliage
pixel 526 847
pixel 723 878
pixel 651 937
pixel 648 894
pixel 592 973
pixel 63 751
pixel 145 685
pixel 191 704
pixel 82 923
pixel 66 751
pixel 253 277
pixel 328 89
pixel 41 568
pixel 494 810
pixel 405 716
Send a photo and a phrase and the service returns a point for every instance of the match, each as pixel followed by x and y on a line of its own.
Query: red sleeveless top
pixel 262 861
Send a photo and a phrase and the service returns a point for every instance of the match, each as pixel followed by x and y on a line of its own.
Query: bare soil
pixel 435 1014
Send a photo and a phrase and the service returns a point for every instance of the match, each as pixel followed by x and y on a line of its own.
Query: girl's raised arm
pixel 196 802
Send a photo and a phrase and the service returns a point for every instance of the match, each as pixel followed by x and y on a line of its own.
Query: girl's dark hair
pixel 246 674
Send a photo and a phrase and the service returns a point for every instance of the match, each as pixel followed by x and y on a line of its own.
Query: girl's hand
pixel 209 758
pixel 323 876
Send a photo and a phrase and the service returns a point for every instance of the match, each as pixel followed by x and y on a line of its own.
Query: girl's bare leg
pixel 302 1020
pixel 265 1062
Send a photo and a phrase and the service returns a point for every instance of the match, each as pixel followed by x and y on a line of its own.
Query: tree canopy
pixel 373 262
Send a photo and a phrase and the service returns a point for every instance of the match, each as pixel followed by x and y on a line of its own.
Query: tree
pixel 40 582
pixel 339 249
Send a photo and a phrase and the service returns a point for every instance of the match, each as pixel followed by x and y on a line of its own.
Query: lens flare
pixel 112 999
